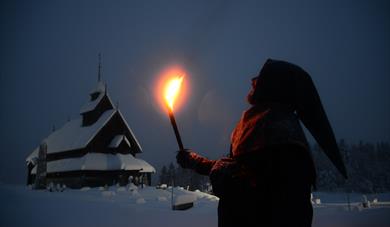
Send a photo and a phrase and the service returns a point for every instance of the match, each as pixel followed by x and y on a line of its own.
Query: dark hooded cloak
pixel 282 84
pixel 267 179
pixel 269 145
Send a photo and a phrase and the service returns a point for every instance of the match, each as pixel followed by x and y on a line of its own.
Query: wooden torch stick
pixel 175 129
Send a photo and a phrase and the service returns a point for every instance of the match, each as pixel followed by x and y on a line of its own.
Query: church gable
pixel 99 102
pixel 102 104
pixel 108 138
pixel 96 96
pixel 119 144
pixel 119 140
pixel 93 131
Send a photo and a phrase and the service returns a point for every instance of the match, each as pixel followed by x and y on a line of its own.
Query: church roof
pixel 131 132
pixel 76 135
pixel 72 135
pixel 91 105
pixel 146 167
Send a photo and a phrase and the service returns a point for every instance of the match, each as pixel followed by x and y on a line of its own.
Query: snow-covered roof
pixel 117 140
pixel 98 161
pixel 131 132
pixel 89 106
pixel 146 167
pixel 72 135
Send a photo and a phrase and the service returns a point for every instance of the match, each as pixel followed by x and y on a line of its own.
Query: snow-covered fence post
pixel 40 177
pixel 348 191
pixel 172 203
pixel 365 202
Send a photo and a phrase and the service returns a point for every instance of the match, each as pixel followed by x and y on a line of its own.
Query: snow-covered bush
pixel 365 202
pixel 121 189
pixel 162 186
pixel 132 187
pixel 50 187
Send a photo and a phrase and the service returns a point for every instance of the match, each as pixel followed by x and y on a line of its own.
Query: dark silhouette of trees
pixel 183 177
pixel 164 175
pixel 368 166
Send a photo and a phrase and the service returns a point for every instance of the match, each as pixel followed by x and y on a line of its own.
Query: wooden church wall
pixel 95 178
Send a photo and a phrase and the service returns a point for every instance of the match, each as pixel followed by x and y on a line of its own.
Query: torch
pixel 171 92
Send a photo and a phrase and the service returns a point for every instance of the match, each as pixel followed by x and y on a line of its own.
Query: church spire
pixel 100 68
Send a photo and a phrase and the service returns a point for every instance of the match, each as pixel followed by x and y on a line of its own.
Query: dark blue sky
pixel 48 65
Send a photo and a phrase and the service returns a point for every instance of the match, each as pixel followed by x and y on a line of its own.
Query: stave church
pixel 97 148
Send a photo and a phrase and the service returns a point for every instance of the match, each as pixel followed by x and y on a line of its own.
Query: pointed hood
pixel 288 84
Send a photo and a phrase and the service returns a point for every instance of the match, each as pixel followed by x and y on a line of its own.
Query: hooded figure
pixel 268 176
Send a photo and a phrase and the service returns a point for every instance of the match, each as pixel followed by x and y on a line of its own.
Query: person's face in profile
pixel 252 91
pixel 254 82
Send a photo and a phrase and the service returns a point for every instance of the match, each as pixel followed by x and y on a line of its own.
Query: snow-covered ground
pixel 333 211
pixel 136 207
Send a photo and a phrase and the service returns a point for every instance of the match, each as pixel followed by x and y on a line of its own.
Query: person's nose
pixel 254 81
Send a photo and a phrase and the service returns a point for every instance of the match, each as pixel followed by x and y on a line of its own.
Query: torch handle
pixel 175 129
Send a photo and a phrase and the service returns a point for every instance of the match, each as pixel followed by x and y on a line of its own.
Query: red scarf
pixel 264 126
pixel 248 136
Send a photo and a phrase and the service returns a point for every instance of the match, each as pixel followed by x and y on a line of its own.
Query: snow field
pixel 143 207
pixel 114 206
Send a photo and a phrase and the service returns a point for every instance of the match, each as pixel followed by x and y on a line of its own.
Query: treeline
pixel 368 166
pixel 177 176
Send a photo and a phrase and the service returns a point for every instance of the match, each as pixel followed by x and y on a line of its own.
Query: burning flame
pixel 172 90
pixel 171 87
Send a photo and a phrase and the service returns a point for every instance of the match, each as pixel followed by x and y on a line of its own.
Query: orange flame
pixel 171 90
pixel 169 94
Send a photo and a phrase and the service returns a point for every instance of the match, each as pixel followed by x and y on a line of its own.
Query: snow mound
pixel 140 201
pixel 132 187
pixel 108 194
pixel 135 193
pixel 181 199
pixel 162 198
pixel 84 189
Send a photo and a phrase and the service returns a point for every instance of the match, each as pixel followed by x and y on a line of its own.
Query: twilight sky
pixel 48 65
